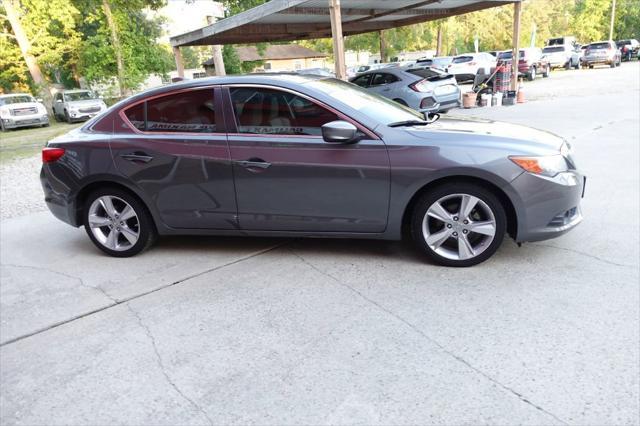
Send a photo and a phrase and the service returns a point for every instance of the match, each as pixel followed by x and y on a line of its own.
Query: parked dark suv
pixel 294 155
pixel 531 62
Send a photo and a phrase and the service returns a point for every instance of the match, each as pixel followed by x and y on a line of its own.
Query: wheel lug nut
pixel 466 222
pixel 455 234
pixel 455 218
pixel 464 231
pixel 449 226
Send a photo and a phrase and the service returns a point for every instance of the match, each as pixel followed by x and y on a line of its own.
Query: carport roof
pixel 287 20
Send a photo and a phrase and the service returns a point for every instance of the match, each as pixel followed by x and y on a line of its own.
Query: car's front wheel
pixel 118 223
pixel 459 224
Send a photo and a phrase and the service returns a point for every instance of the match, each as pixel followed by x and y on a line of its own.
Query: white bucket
pixel 497 99
pixel 485 99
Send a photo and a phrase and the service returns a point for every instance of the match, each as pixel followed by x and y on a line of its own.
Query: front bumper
pixel 550 206
pixel 82 116
pixel 14 122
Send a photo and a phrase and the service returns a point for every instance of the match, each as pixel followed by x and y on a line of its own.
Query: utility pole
pixel 216 51
pixel 613 17
pixel 439 41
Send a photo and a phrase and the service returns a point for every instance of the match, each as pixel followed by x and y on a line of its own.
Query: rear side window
pixel 186 112
pixel 383 78
pixel 553 49
pixel 268 111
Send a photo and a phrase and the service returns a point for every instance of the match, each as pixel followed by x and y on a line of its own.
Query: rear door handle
pixel 253 163
pixel 140 157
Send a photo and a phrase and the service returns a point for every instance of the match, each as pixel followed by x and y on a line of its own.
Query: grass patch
pixel 27 142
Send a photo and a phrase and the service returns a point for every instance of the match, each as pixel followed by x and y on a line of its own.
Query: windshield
pixel 16 99
pixel 78 96
pixel 378 108
pixel 441 62
pixel 553 49
pixel 426 72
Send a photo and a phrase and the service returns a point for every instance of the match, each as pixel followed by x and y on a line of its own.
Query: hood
pixel 21 105
pixel 520 139
pixel 85 102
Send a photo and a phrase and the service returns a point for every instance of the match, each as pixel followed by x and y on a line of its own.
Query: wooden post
pixel 383 47
pixel 216 51
pixel 439 40
pixel 613 17
pixel 338 40
pixel 179 63
pixel 517 9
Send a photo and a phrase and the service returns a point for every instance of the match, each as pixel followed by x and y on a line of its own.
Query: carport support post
pixel 216 52
pixel 179 64
pixel 338 40
pixel 517 9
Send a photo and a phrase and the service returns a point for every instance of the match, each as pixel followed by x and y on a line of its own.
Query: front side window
pixel 269 111
pixel 186 112
pixel 362 81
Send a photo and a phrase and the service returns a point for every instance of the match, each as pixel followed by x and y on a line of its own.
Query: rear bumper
pixel 595 60
pixel 57 199
pixel 550 206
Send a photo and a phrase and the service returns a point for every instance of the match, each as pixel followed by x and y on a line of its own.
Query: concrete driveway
pixel 204 331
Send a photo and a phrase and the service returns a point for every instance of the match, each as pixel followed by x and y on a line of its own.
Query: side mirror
pixel 339 132
pixel 39 100
pixel 59 101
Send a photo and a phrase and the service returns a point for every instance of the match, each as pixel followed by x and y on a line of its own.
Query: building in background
pixel 279 57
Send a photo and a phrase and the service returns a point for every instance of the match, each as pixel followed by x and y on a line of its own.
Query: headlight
pixel 549 165
pixel 4 113
pixel 41 109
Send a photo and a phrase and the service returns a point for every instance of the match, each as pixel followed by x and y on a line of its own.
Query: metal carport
pixel 287 20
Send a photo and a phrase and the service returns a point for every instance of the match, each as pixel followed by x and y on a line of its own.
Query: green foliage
pixel 234 7
pixel 232 64
pixel 141 52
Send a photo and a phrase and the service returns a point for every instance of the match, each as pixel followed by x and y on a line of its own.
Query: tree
pixel 44 31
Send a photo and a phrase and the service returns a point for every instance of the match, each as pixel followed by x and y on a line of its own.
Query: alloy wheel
pixel 459 226
pixel 114 223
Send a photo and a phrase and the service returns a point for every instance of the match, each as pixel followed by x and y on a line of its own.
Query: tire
pixel 567 66
pixel 105 229
pixel 590 67
pixel 577 65
pixel 443 241
pixel 2 129
pixel 546 72
pixel 612 64
pixel 532 74
pixel 67 117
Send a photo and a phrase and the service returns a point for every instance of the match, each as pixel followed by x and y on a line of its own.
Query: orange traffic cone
pixel 520 98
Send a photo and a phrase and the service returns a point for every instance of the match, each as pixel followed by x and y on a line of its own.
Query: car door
pixel 177 154
pixel 287 178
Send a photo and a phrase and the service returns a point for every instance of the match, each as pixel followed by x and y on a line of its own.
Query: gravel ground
pixel 20 191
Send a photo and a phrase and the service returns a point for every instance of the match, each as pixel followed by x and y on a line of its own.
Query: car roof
pixel 76 90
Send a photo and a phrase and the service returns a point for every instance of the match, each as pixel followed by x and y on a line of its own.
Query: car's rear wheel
pixel 532 74
pixel 547 72
pixel 118 223
pixel 458 224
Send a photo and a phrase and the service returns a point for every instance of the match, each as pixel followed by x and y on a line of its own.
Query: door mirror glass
pixel 39 100
pixel 59 100
pixel 339 132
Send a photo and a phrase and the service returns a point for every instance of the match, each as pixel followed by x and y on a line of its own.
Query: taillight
pixel 49 155
pixel 420 86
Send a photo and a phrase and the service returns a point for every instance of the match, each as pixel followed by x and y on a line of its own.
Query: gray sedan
pixel 306 156
pixel 424 89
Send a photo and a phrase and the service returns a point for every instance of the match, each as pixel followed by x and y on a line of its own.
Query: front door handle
pixel 137 157
pixel 253 163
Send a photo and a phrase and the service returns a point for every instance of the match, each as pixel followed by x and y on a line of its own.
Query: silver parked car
pixel 21 110
pixel 77 105
pixel 424 89
pixel 563 56
pixel 602 52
